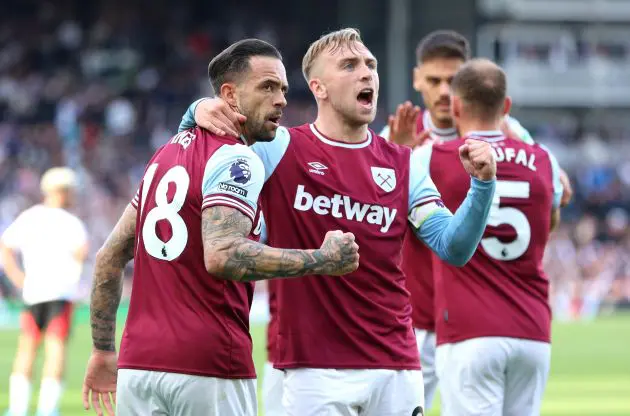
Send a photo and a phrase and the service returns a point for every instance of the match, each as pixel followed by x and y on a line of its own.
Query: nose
pixel 280 100
pixel 366 73
pixel 445 88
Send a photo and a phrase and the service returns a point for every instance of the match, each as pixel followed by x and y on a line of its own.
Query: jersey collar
pixel 486 135
pixel 338 143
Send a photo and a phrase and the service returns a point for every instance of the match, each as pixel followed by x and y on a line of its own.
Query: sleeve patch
pixel 420 213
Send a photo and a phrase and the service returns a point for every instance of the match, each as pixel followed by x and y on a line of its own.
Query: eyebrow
pixel 272 81
pixel 355 59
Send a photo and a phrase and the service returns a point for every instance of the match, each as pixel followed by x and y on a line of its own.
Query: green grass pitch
pixel 590 371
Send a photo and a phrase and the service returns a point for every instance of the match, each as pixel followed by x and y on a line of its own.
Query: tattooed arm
pixel 228 253
pixel 111 259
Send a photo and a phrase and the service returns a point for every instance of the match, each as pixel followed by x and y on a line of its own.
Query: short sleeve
pixel 424 198
pixel 558 189
pixel 272 152
pixel 12 236
pixel 136 199
pixel 233 177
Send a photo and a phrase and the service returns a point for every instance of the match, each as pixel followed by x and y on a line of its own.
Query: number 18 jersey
pixel 503 290
pixel 182 319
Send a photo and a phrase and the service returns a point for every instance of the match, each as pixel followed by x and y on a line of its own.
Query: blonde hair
pixel 58 178
pixel 331 41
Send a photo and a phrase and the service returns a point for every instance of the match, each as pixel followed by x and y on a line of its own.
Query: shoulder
pixel 387 147
pixel 75 221
pixel 33 212
pixel 304 131
pixel 534 147
pixel 236 157
pixel 449 146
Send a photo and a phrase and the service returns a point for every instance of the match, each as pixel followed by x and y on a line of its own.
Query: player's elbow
pixel 214 263
pixel 457 261
pixel 218 264
pixel 101 257
pixel 555 219
pixel 458 256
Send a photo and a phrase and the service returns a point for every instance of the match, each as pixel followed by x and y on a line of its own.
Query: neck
pixel 469 126
pixel 330 124
pixel 246 140
pixel 53 202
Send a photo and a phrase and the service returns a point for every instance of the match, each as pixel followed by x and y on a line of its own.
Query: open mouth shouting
pixel 366 98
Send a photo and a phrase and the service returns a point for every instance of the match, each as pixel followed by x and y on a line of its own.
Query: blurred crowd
pixel 99 86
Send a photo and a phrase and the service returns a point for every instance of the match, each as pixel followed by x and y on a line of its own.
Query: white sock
pixel 19 394
pixel 49 395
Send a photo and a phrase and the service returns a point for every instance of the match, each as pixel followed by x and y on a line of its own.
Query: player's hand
pixel 216 116
pixel 100 382
pixel 403 126
pixel 341 253
pixel 567 189
pixel 478 159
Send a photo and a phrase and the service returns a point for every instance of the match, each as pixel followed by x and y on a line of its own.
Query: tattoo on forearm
pixel 225 229
pixel 107 284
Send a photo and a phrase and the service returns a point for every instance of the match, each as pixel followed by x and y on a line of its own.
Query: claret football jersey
pixel 316 184
pixel 182 319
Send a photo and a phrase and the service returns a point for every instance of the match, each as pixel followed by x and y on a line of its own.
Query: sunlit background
pixel 99 85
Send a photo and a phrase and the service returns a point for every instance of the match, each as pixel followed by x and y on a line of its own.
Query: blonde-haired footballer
pixel 53 244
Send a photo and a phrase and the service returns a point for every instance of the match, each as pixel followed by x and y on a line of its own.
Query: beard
pixel 256 130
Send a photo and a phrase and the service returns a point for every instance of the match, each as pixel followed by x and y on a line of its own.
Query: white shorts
pixel 272 391
pixel 426 348
pixel 493 376
pixel 147 393
pixel 316 392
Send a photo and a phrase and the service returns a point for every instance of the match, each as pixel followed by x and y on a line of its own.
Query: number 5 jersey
pixel 182 319
pixel 502 291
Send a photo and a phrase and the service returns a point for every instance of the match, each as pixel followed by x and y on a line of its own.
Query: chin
pixel 266 136
pixel 366 118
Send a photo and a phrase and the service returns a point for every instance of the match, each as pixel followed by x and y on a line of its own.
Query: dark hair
pixel 233 61
pixel 443 44
pixel 482 85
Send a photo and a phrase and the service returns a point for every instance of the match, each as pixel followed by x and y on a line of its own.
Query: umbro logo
pixel 317 168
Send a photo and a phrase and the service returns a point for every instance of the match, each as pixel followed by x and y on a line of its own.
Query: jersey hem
pixel 68 298
pixel 187 371
pixel 494 335
pixel 422 327
pixel 224 202
pixel 299 364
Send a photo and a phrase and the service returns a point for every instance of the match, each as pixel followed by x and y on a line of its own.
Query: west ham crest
pixel 385 178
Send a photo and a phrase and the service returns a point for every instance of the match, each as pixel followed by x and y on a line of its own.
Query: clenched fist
pixel 478 159
pixel 341 253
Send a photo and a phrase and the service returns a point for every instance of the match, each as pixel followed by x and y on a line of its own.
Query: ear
pixel 507 106
pixel 318 89
pixel 456 107
pixel 417 78
pixel 228 94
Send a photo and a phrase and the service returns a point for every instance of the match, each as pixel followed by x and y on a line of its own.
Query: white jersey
pixel 48 239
